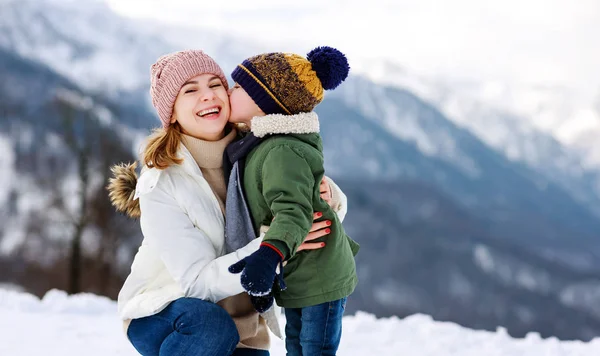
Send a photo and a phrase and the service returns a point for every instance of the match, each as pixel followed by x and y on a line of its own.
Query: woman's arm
pixel 186 250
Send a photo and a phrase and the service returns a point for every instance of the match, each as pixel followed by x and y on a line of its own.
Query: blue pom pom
pixel 331 66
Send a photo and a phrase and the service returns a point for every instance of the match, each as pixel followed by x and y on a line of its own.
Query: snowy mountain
pixel 86 324
pixel 564 112
pixel 449 216
pixel 101 51
pixel 430 256
pixel 443 154
pixel 550 129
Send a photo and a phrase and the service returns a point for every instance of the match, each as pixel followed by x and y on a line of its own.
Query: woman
pixel 179 298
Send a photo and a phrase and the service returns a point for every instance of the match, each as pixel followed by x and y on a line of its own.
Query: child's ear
pixel 173 118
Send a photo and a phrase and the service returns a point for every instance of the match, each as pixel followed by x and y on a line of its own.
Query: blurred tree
pixel 80 144
pixel 78 222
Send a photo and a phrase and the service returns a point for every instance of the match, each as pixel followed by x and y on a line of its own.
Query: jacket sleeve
pixel 186 250
pixel 340 201
pixel 287 187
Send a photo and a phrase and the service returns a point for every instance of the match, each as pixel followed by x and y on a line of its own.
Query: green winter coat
pixel 281 180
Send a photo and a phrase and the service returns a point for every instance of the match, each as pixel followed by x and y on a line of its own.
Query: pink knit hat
pixel 171 71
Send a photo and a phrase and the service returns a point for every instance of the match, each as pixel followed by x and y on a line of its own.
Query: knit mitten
pixel 259 270
pixel 262 304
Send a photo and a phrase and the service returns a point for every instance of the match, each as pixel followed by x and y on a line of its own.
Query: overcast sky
pixel 531 41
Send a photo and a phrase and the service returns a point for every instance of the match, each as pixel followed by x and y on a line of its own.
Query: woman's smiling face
pixel 202 107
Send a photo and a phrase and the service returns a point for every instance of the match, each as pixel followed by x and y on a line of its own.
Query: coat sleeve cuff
pixel 279 247
pixel 340 201
pixel 336 200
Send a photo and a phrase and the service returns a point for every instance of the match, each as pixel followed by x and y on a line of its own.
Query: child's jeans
pixel 187 326
pixel 315 330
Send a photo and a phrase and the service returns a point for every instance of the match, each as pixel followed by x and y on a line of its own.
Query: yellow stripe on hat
pixel 303 69
pixel 265 88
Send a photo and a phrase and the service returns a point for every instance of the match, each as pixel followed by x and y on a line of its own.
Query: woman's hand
pixel 326 193
pixel 319 229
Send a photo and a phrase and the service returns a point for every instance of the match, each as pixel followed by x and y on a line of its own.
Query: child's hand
pixel 259 270
pixel 318 229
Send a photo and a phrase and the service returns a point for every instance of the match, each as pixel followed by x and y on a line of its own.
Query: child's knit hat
pixel 171 71
pixel 286 83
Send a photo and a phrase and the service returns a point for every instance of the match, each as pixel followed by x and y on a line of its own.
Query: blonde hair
pixel 163 145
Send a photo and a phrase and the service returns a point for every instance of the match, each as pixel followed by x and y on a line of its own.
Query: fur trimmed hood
pixel 121 189
pixel 303 123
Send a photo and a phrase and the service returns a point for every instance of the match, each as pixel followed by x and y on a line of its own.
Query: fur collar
pixel 303 123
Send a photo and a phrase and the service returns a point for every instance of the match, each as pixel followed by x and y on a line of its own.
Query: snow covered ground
pixel 86 324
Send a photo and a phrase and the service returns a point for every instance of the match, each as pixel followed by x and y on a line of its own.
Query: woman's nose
pixel 207 95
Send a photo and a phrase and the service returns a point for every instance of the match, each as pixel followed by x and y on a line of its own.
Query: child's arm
pixel 288 185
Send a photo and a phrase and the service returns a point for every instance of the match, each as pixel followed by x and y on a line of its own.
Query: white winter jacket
pixel 183 250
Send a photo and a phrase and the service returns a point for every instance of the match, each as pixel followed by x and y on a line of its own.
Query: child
pixel 274 95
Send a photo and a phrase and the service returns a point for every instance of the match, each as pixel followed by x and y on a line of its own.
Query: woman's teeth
pixel 208 111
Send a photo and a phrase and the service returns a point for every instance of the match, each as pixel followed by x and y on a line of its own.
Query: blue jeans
pixel 250 352
pixel 187 327
pixel 315 330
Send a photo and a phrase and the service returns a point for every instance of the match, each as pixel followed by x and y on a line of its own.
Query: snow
pixel 86 324
pixel 512 272
pixel 483 258
pixel 584 293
